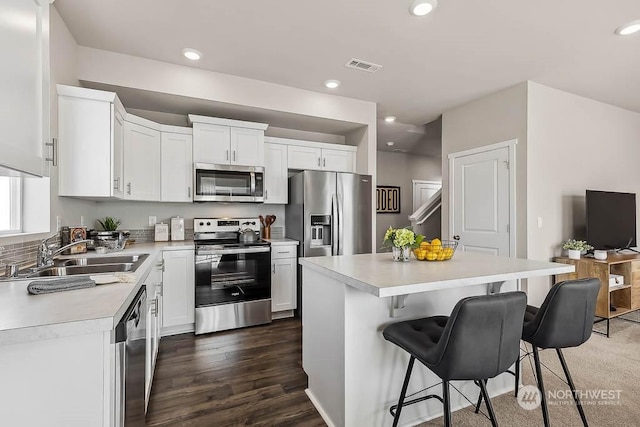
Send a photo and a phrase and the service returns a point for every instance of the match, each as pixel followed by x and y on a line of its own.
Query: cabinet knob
pixel 129 188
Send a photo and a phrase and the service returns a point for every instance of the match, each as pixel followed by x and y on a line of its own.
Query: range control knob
pixel 201 223
pixel 208 223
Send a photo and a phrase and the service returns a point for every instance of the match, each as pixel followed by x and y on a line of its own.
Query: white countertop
pixel 282 242
pixel 379 275
pixel 28 317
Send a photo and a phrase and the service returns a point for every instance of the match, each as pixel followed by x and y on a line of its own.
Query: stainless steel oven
pixel 228 183
pixel 233 279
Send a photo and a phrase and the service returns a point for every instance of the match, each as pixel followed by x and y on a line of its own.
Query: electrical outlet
pixel 152 221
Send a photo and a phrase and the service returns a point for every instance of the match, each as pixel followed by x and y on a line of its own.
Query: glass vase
pixel 401 254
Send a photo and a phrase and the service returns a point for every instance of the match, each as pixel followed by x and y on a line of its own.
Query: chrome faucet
pixel 47 251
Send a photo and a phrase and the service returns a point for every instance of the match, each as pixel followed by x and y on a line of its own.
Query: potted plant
pixel 401 241
pixel 576 247
pixel 110 223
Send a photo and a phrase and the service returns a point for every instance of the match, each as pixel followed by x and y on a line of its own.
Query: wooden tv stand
pixel 624 298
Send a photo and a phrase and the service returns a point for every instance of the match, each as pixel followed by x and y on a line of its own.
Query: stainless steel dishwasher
pixel 130 340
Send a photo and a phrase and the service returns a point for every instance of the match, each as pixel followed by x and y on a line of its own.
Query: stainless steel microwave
pixel 228 183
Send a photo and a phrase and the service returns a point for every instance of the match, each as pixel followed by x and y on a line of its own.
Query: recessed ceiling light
pixel 390 119
pixel 390 143
pixel 628 28
pixel 332 84
pixel 191 54
pixel 422 7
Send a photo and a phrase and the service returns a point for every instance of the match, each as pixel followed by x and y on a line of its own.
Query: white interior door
pixel 423 191
pixel 481 200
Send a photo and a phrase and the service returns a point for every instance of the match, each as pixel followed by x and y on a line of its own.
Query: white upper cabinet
pixel 176 166
pixel 141 162
pixel 212 144
pixel 305 158
pixel 338 160
pixel 90 137
pixel 307 155
pixel 275 174
pixel 24 85
pixel 227 142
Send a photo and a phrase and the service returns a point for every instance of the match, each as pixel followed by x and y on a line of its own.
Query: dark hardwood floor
pixel 250 376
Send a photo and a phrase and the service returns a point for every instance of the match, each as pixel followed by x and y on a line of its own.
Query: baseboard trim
pixel 319 408
pixel 178 329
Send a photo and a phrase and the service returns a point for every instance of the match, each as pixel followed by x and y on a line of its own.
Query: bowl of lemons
pixel 435 250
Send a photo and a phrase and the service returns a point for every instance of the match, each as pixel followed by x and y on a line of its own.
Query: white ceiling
pixel 463 50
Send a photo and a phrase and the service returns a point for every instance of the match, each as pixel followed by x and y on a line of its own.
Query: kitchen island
pixel 355 375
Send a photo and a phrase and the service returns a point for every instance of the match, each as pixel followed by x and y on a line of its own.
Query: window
pixel 10 205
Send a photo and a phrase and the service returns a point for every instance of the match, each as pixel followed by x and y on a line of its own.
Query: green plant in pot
pixel 110 223
pixel 576 247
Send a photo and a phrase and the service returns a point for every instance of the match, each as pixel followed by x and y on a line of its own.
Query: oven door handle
pixel 234 251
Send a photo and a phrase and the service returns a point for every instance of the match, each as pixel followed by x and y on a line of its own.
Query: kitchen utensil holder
pixel 266 232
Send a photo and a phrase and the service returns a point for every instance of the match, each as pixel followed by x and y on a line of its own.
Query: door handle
pixel 116 183
pixel 274 269
pixel 234 155
pixel 318 161
pixel 54 151
pixel 188 192
pixel 324 162
pixel 129 188
pixel 266 194
pixel 227 154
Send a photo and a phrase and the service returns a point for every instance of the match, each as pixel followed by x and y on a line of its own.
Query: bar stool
pixel 478 341
pixel 565 319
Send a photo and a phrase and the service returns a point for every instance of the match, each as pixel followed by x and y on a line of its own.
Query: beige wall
pixel 498 117
pixel 398 169
pixel 64 70
pixel 575 144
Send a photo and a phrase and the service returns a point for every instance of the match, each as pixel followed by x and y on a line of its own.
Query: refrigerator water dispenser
pixel 320 230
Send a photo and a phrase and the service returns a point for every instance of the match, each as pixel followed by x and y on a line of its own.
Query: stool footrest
pixel 392 410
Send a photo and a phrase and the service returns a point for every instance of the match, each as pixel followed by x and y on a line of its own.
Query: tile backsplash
pixel 23 254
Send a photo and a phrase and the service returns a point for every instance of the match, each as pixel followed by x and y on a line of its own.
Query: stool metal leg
pixel 483 391
pixel 479 396
pixel 545 410
pixel 573 387
pixel 517 383
pixel 446 403
pixel 396 417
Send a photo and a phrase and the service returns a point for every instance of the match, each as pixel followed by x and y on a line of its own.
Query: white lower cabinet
pixel 153 284
pixel 178 292
pixel 284 274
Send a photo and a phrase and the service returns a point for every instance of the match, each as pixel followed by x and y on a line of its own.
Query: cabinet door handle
pixel 234 155
pixel 324 162
pixel 266 194
pixel 54 151
pixel 227 153
pixel 274 269
pixel 129 188
pixel 116 183
pixel 318 161
pixel 160 265
pixel 188 192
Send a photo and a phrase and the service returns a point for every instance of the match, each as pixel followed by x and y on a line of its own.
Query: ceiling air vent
pixel 361 65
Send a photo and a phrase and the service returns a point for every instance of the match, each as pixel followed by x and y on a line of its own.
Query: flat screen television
pixel 611 219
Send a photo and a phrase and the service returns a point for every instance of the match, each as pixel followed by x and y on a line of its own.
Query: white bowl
pixel 600 254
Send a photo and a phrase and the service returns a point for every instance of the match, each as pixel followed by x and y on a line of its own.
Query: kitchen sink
pixel 83 269
pixel 116 259
pixel 90 265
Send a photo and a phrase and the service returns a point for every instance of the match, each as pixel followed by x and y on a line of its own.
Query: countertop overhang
pixel 379 275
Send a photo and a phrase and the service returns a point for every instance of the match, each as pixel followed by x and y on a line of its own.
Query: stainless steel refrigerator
pixel 329 213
